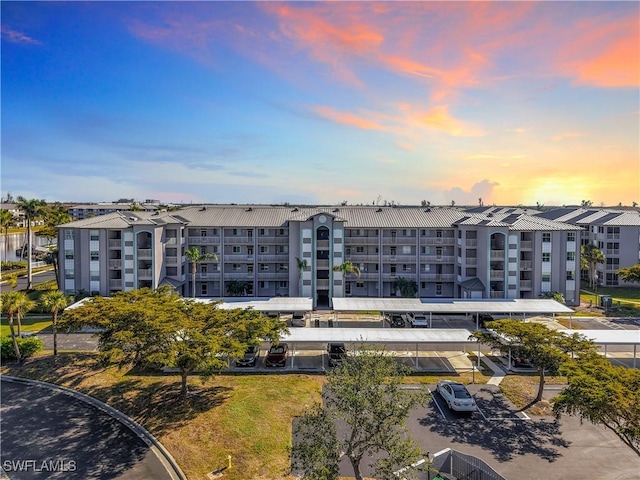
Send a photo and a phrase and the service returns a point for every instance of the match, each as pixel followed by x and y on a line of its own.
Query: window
pixel 94 235
pixel 203 268
pixel 234 231
pixel 172 271
pixel 471 272
pixel 283 249
pixel 406 249
pixel 405 233
pixel 68 234
pixel 359 249
pixel 283 267
pixel 261 232
pixel 264 284
pixel 424 250
pixel 264 267
pixel 546 257
pixel 570 275
pixel 347 288
pixel 215 231
pixel 95 256
pixel 438 233
pixel 69 274
pixel 546 277
pixel 249 267
pixel 546 237
pixel 393 251
pixel 236 267
pixel 393 269
pixel 250 233
pixel 203 233
pixel 360 284
pixel 68 254
pixel 235 249
pixel 203 250
pixel 94 276
pixel 439 253
pixel 283 284
pixel 438 289
pixel 264 249
pixel 203 289
pixel 250 250
pixel 281 232
pixel 423 285
pixel 571 236
pixel 406 268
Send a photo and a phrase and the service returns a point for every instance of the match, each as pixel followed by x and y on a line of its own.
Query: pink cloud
pixel 14 36
pixel 349 119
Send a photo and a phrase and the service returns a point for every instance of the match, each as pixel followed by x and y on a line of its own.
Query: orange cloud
pixel 439 118
pixel 564 136
pixel 346 118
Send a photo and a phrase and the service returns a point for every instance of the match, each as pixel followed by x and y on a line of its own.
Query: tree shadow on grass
pixel 150 398
pixel 504 438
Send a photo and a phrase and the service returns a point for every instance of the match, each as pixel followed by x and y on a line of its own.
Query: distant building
pixel 82 211
pixel 615 232
pixel 447 253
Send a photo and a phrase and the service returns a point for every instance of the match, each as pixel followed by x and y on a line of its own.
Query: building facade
pixel 616 233
pixel 264 251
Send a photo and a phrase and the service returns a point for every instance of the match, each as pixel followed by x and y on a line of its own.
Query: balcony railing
pixel 497 254
pixel 322 243
pixel 117 243
pixel 238 275
pixel 612 251
pixel 437 277
pixel 322 284
pixel 208 276
pixel 282 275
pixel 144 253
pixel 358 257
pixel 273 258
pixel 613 236
pixel 438 259
pixel 322 264
pixel 115 263
pixel 369 276
pixel 471 261
pixel 526 264
pixel 525 284
pixel 437 240
pixel 115 283
pixel 399 240
pixel 497 294
pixel 471 242
pixel 526 245
pixel 145 273
pixel 171 241
pixel 273 240
pixel 236 257
pixel 204 240
pixel 171 260
pixel 233 239
pixel 496 274
pixel 361 240
pixel 399 258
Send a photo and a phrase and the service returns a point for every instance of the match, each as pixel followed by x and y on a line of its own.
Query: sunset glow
pixel 322 102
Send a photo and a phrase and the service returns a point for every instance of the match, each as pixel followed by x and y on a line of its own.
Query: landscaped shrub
pixel 8 266
pixel 28 347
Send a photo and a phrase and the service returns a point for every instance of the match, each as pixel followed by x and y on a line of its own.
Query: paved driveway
pixel 48 434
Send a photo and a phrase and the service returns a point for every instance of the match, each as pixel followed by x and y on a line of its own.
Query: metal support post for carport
pixel 635 347
pixel 418 357
pixel 430 325
pixel 293 353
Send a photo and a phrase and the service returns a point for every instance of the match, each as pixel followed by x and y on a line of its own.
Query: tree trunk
pixel 541 386
pixel 184 390
pixel 55 271
pixel 55 333
pixel 16 349
pixel 355 464
pixel 29 251
pixel 193 280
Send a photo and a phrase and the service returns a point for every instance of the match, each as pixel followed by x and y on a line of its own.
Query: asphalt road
pixel 47 434
pixel 36 279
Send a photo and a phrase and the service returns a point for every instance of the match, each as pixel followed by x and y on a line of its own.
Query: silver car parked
pixel 456 396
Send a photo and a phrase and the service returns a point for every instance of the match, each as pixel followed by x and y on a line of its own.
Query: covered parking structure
pixel 377 336
pixel 265 305
pixel 509 307
pixel 607 338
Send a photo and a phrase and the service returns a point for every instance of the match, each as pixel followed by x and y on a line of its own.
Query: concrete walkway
pixel 498 373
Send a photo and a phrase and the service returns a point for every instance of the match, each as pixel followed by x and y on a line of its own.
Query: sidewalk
pixel 498 373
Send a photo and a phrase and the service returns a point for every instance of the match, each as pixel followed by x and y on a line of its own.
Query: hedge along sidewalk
pixel 155 446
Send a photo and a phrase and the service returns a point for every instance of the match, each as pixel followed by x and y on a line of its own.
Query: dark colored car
pixel 337 352
pixel 250 357
pixel 277 355
pixel 395 320
pixel 481 318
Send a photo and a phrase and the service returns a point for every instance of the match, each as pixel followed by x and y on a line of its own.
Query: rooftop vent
pixel 379 210
pixel 203 209
pixel 295 209
pixel 336 210
pixel 427 210
pixel 249 209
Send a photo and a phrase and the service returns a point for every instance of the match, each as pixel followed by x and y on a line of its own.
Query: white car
pixel 457 396
pixel 418 320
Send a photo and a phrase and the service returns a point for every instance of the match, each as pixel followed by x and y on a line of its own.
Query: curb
pixel 163 455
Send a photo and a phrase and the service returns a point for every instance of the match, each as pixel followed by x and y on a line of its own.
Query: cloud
pixel 439 118
pixel 564 136
pixel 347 118
pixel 483 189
pixel 14 36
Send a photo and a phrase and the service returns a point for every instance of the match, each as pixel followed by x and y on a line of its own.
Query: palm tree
pixel 10 307
pixel 195 256
pixel 25 305
pixel 302 266
pixel 345 268
pixel 54 301
pixel 590 256
pixel 7 220
pixel 32 209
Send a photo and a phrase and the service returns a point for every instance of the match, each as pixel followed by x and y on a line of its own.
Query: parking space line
pixel 481 413
pixel 437 404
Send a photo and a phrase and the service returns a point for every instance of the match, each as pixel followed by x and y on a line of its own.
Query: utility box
pixel 605 301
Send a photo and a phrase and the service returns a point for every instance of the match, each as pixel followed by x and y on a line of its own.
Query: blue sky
pixel 221 102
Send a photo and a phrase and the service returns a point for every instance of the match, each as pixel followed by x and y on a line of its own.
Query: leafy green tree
pixel 236 288
pixel 546 349
pixel 26 346
pixel 32 210
pixel 590 257
pixel 53 215
pixel 153 329
pixel 10 306
pixel 604 394
pixel 7 221
pixel 408 288
pixel 195 256
pixel 365 394
pixel 54 301
pixel 302 266
pixel 25 305
pixel 630 274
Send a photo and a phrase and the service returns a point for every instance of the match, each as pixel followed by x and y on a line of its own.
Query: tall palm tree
pixel 25 305
pixel 7 220
pixel 590 256
pixel 346 268
pixel 302 266
pixel 54 301
pixel 32 210
pixel 10 306
pixel 196 256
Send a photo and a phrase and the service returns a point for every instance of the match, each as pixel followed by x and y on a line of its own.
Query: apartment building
pixel 615 232
pixel 267 251
pixel 82 211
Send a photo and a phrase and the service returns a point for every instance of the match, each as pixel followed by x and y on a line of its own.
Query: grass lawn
pixel 245 416
pixel 31 323
pixel 522 389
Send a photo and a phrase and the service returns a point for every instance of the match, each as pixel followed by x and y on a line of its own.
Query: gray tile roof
pixel 353 217
pixel 593 216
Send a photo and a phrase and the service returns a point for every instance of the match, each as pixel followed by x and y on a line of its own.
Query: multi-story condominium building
pixel 615 232
pixel 82 211
pixel 267 251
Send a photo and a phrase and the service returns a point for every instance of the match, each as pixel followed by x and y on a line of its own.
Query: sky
pixel 505 103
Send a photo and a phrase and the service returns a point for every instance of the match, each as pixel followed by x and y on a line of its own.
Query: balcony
pixel 361 240
pixel 204 240
pixel 526 264
pixel 322 264
pixel 369 276
pixel 399 258
pixel 115 263
pixel 612 251
pixel 613 236
pixel 171 261
pixel 273 240
pixel 525 284
pixel 322 284
pixel 471 242
pixel 145 273
pixel 437 240
pixel 362 258
pixel 208 276
pixel 144 253
pixel 526 245
pixel 497 294
pixel 115 283
pixel 238 276
pixel 399 240
pixel 437 277
pixel 438 258
pixel 273 258
pixel 238 240
pixel 496 274
pixel 322 244
pixel 238 258
pixel 282 275
pixel 117 243
pixel 471 261
pixel 497 254
pixel 171 241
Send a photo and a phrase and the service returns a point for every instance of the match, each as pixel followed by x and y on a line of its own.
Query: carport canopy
pixel 378 335
pixel 272 304
pixel 450 306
